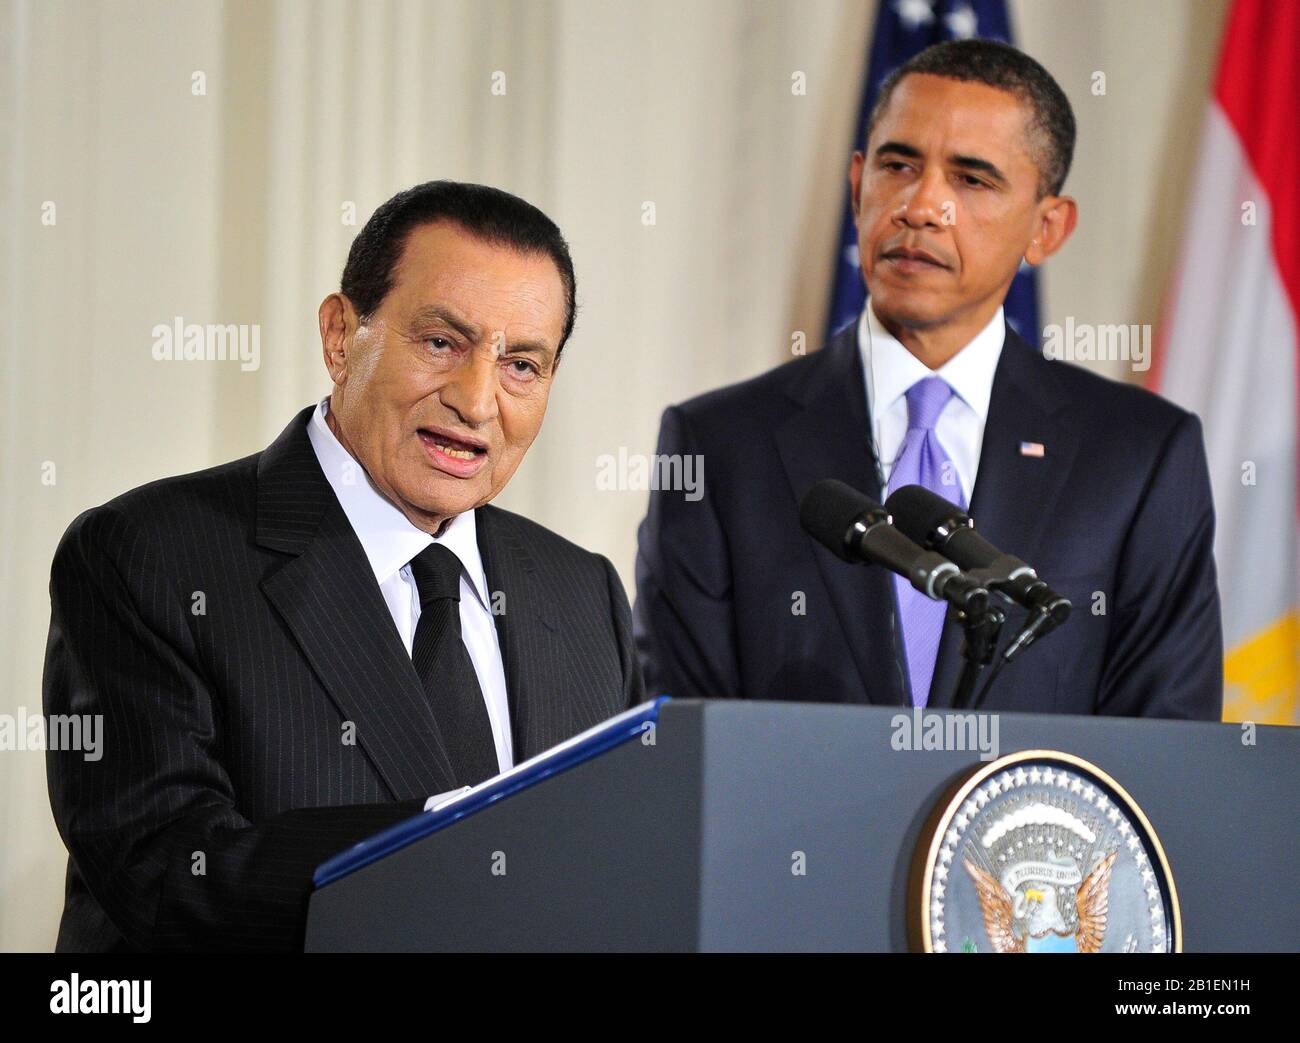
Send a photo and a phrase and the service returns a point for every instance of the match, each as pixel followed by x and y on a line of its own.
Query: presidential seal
pixel 1041 852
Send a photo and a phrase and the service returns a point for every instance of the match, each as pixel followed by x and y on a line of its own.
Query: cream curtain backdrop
pixel 200 159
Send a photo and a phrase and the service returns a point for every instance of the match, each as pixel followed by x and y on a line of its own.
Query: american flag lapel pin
pixel 1032 449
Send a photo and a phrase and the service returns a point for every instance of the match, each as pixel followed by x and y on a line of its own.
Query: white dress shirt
pixel 890 369
pixel 390 542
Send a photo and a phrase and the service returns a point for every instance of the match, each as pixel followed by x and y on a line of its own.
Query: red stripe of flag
pixel 1258 88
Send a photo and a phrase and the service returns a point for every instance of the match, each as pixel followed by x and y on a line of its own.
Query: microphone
pixel 944 527
pixel 857 529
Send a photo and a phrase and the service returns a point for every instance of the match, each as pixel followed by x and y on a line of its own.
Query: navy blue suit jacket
pixel 734 599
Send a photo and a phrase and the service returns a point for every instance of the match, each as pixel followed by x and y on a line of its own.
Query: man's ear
pixel 1057 216
pixel 856 164
pixel 338 323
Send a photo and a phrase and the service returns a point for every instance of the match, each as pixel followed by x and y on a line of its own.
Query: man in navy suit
pixel 1102 486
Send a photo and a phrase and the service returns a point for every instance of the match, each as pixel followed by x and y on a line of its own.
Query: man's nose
pixel 923 201
pixel 471 391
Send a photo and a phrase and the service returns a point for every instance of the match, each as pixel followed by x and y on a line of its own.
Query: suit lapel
pixel 830 437
pixel 327 595
pixel 531 644
pixel 1015 494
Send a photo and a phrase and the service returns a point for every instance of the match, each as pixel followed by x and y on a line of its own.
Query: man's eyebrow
pixel 973 163
pixel 983 166
pixel 438 313
pixel 901 148
pixel 471 332
pixel 531 347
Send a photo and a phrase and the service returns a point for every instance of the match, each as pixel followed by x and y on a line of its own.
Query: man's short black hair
pixel 490 214
pixel 1051 120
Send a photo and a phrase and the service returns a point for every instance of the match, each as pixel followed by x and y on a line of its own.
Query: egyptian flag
pixel 1227 348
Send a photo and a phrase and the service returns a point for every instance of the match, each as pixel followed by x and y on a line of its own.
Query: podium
pixel 742 826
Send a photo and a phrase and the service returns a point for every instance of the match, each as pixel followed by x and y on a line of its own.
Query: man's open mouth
pixel 458 448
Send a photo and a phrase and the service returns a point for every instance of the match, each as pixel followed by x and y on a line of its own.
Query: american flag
pixel 905 28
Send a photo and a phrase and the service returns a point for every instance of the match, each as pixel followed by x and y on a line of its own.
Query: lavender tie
pixel 922 461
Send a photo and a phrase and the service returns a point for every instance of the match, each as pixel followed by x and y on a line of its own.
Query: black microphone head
pixel 920 514
pixel 828 511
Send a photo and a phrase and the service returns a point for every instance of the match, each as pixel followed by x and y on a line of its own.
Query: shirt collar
pixel 891 369
pixel 386 534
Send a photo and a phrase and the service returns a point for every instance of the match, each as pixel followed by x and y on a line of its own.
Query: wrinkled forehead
pixel 444 269
pixel 943 117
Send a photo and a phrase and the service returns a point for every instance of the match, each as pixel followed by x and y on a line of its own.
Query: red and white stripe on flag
pixel 1227 349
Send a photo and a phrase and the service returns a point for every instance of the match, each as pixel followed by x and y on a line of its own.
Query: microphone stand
pixel 981 630
pixel 1037 622
pixel 981 640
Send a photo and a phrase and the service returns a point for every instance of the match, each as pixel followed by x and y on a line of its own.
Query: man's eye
pixel 972 181
pixel 521 369
pixel 438 344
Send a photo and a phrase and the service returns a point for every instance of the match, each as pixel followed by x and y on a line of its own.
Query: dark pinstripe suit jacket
pixel 260 712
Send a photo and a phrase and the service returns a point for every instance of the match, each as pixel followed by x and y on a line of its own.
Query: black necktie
pixel 443 663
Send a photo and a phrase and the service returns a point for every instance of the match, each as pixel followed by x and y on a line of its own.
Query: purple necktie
pixel 922 461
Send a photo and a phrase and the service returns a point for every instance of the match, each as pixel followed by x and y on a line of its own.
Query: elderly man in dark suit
pixel 295 650
pixel 1102 486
